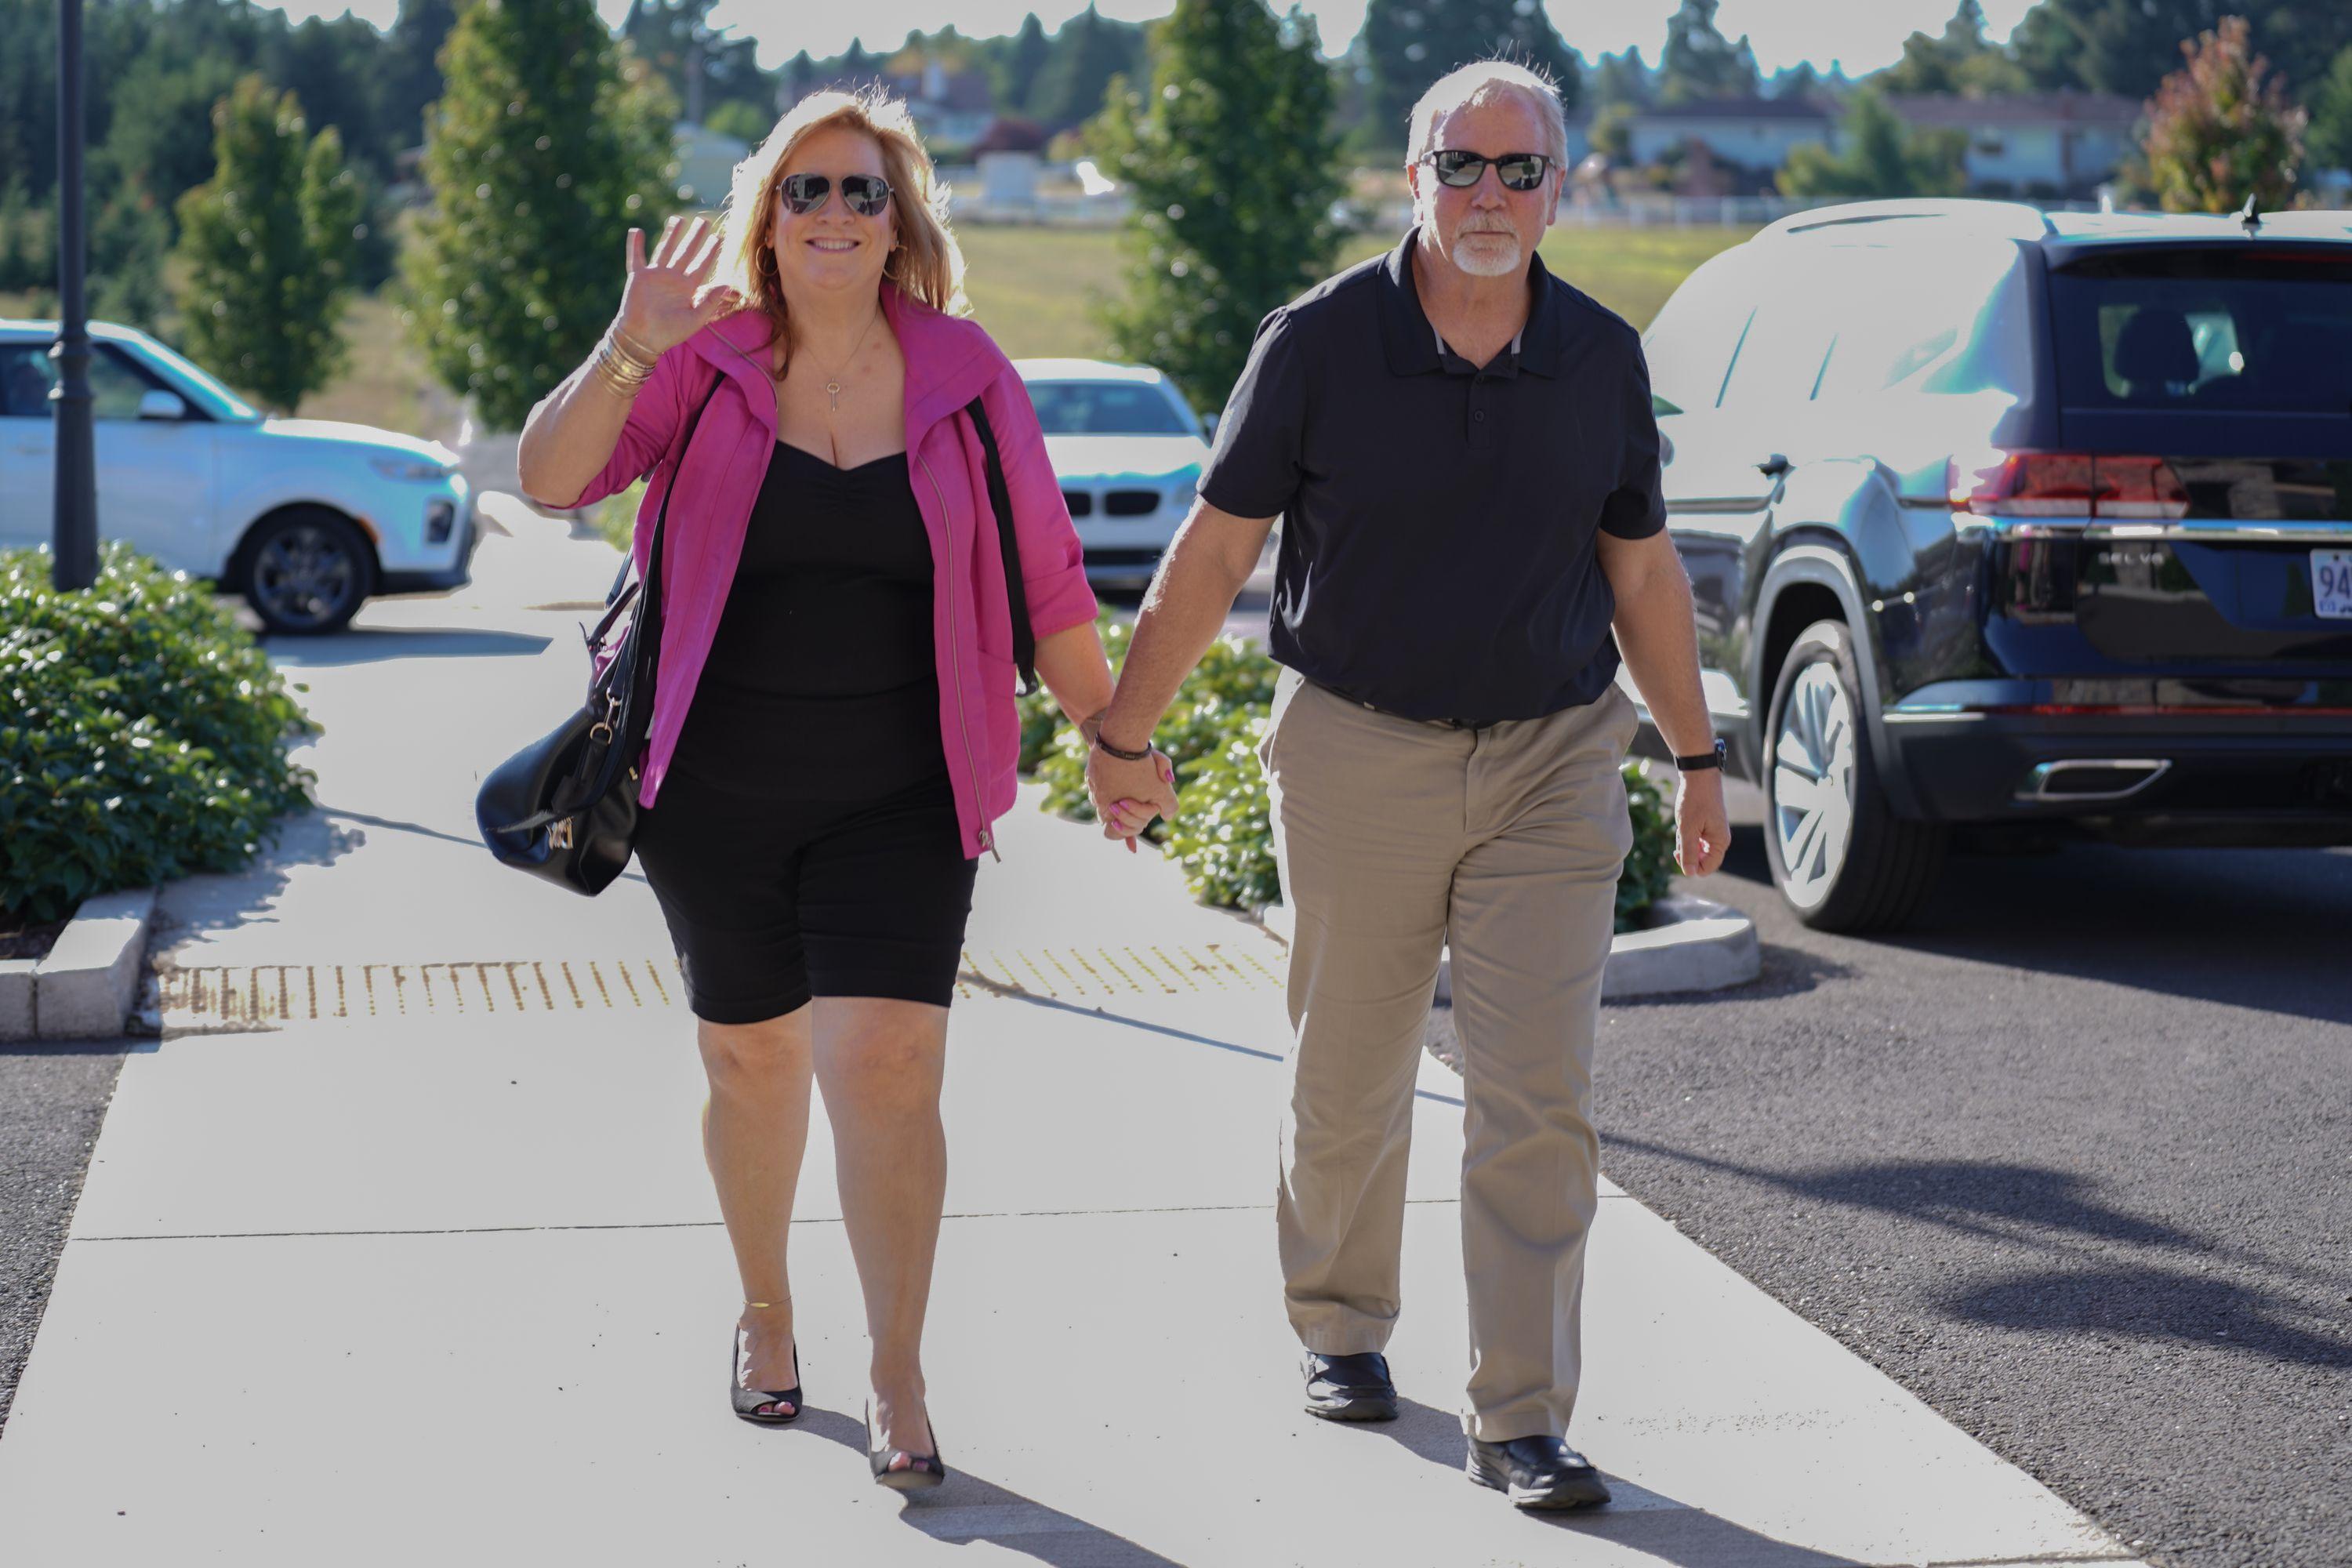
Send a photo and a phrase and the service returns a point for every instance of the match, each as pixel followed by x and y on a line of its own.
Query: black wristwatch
pixel 1713 759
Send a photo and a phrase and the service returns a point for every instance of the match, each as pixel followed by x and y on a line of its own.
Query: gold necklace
pixel 833 386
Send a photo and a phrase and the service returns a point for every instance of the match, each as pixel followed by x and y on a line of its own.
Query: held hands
pixel 671 298
pixel 1702 824
pixel 1128 795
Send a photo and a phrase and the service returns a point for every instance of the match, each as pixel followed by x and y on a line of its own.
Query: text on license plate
pixel 2331 584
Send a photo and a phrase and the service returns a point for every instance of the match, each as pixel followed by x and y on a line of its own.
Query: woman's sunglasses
pixel 1517 171
pixel 866 195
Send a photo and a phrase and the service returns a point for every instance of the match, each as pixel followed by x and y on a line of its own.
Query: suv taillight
pixel 2061 484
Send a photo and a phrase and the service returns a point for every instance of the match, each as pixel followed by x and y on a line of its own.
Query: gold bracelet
pixel 626 363
pixel 636 348
pixel 624 387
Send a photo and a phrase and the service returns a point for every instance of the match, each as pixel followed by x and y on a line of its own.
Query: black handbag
pixel 568 802
pixel 565 807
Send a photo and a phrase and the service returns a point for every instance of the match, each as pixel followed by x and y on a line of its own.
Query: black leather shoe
pixel 1350 1387
pixel 1537 1472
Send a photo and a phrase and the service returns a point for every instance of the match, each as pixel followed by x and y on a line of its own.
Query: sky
pixel 1862 34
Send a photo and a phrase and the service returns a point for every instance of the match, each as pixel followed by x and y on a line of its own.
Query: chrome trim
pixel 1929 716
pixel 2037 783
pixel 2192 531
pixel 955 665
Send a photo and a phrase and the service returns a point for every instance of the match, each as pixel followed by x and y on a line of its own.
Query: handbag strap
pixel 1017 591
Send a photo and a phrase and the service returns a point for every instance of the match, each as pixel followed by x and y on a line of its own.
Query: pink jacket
pixel 949 362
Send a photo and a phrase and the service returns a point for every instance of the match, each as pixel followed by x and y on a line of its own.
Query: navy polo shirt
pixel 1438 552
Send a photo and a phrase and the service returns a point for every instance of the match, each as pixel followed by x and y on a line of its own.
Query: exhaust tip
pixel 2092 778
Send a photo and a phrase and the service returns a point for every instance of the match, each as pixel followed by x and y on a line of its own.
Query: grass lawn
pixel 1036 289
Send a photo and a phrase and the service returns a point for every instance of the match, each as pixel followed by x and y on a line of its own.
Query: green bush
pixel 1221 837
pixel 615 518
pixel 144 735
pixel 1650 864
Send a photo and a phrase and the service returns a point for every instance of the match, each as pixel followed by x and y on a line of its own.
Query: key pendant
pixel 833 389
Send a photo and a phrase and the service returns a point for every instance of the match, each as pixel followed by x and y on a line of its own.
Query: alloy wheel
pixel 1813 783
pixel 303 576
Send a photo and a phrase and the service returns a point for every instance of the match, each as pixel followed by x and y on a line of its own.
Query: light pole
pixel 74 560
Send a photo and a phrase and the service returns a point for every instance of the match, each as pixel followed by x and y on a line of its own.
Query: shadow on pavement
pixel 2152 1303
pixel 372 645
pixel 2178 922
pixel 969 1507
pixel 2057 1211
pixel 1650 1523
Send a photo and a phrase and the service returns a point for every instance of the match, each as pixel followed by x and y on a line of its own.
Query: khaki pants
pixel 1396 838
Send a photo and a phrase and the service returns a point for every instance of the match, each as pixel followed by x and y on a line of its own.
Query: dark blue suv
pixel 2015 519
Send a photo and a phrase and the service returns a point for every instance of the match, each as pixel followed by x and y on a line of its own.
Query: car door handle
pixel 1773 467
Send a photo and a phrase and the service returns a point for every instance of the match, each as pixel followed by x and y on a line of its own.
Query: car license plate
pixel 2331 584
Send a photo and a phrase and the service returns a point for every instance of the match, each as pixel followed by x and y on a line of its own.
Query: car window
pixel 115 384
pixel 27 374
pixel 1689 347
pixel 1106 408
pixel 2206 329
pixel 1954 325
pixel 1779 356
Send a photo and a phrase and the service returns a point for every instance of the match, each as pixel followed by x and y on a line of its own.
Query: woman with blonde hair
pixel 834 730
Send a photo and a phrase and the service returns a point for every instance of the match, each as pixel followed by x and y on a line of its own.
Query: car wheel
pixel 306 573
pixel 1842 860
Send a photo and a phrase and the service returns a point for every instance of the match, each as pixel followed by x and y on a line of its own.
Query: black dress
pixel 805 840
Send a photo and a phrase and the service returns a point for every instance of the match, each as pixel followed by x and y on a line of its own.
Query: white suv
pixel 1128 449
pixel 304 517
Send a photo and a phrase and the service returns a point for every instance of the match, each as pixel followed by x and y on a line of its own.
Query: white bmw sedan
pixel 304 517
pixel 1128 449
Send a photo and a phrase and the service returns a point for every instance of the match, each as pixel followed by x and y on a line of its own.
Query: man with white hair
pixel 1464 451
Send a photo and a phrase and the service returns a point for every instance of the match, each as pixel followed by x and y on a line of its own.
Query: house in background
pixel 1754 133
pixel 706 163
pixel 952 108
pixel 1010 157
pixel 2035 144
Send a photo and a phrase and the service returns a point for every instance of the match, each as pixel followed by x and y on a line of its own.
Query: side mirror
pixel 157 404
pixel 1209 425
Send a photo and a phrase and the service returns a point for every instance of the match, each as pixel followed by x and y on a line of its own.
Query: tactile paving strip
pixel 192 1000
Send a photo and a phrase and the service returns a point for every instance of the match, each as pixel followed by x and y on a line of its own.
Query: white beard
pixel 1485 259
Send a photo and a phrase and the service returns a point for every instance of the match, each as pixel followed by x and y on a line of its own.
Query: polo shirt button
pixel 1479 415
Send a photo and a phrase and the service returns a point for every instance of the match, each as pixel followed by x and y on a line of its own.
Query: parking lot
pixel 2069 1159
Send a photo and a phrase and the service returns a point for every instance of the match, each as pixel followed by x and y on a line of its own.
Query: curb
pixel 89 982
pixel 1693 944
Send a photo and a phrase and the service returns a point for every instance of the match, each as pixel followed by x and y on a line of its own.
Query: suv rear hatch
pixel 2196 519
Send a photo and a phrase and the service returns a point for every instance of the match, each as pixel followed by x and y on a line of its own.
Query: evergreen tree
pixel 1022 64
pixel 1411 43
pixel 1699 62
pixel 2330 139
pixel 1960 61
pixel 1797 83
pixel 2221 130
pixel 1623 79
pixel 1086 53
pixel 798 79
pixel 1220 233
pixel 857 67
pixel 549 142
pixel 265 246
pixel 412 69
pixel 1880 158
pixel 20 243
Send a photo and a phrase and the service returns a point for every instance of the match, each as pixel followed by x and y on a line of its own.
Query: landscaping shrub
pixel 143 735
pixel 1221 837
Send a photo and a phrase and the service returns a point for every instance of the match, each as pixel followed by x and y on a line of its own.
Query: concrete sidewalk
pixel 446 1277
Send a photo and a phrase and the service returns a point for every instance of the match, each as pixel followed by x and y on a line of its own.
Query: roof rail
pixel 2004 220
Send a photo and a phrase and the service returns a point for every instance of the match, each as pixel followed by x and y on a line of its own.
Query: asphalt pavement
pixel 53 1097
pixel 2071 1160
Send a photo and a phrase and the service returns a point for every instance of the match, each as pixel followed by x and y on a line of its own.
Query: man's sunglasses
pixel 1517 171
pixel 866 195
